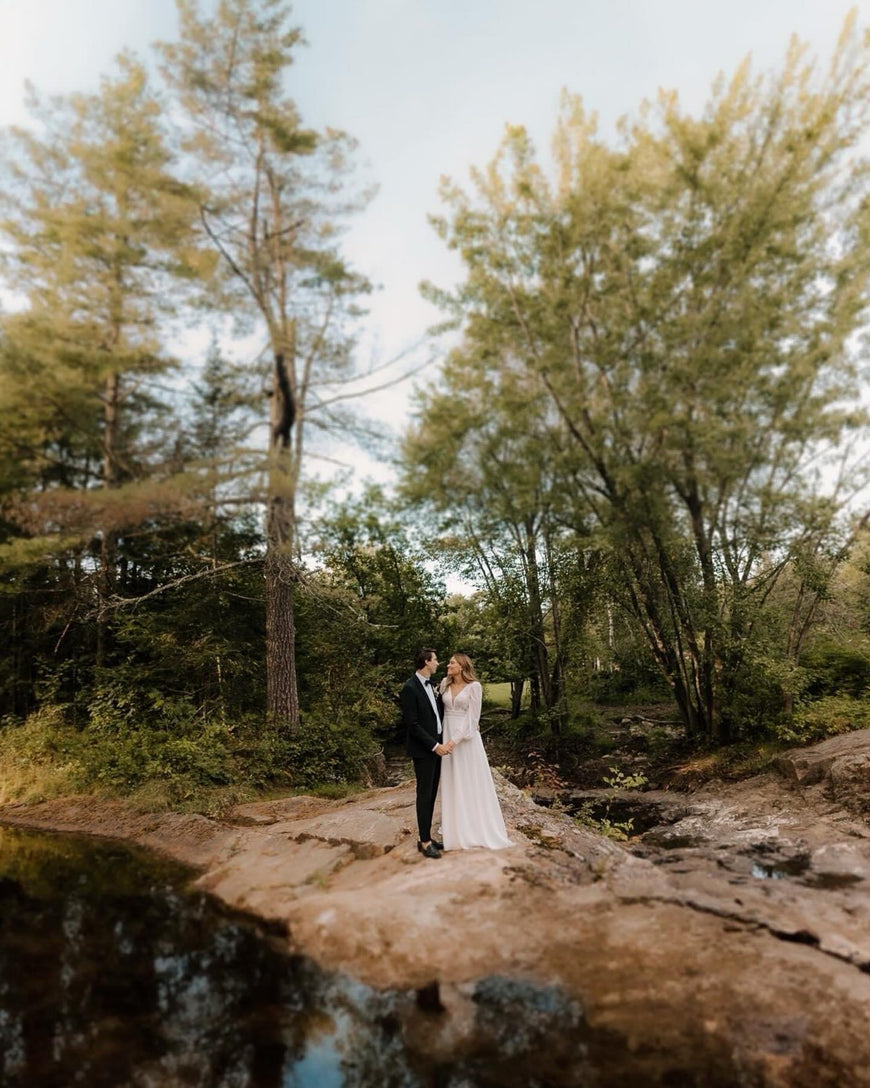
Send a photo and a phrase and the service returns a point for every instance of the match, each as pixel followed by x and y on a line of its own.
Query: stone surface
pixel 729 945
pixel 849 779
pixel 842 762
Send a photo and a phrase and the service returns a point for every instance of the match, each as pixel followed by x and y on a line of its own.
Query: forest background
pixel 638 445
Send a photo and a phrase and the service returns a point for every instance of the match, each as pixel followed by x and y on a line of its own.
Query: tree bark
pixel 517 687
pixel 557 679
pixel 282 696
pixel 536 623
pixel 106 583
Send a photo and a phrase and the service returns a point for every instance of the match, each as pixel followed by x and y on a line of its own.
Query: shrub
pixel 836 669
pixel 165 751
pixel 635 681
pixel 135 737
pixel 826 717
pixel 40 757
pixel 329 748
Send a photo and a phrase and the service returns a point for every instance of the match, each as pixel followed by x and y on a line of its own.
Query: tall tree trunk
pixel 709 640
pixel 557 679
pixel 677 664
pixel 536 621
pixel 108 541
pixel 534 694
pixel 282 696
pixel 516 697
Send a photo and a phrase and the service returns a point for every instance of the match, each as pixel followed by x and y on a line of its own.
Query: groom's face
pixel 431 666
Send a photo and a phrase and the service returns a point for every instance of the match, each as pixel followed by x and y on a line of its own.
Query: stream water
pixel 115 974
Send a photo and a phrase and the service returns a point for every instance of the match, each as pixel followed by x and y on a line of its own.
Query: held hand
pixel 443 749
pixel 450 745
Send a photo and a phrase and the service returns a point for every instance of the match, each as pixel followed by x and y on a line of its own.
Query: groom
pixel 422 721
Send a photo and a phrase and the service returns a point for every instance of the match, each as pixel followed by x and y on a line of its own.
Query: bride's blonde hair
pixel 466 670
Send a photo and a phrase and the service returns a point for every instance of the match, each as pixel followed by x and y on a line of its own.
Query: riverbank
pixel 695 954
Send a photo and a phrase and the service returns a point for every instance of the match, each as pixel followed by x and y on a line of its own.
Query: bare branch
pixel 363 392
pixel 115 602
pixel 225 254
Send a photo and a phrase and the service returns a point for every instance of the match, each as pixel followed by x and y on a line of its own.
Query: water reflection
pixel 113 974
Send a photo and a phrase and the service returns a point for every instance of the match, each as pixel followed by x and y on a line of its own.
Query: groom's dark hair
pixel 421 657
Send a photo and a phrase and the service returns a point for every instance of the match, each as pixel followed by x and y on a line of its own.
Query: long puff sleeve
pixel 471 724
pixel 474 706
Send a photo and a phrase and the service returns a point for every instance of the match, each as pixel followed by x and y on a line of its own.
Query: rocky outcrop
pixel 732 949
pixel 840 764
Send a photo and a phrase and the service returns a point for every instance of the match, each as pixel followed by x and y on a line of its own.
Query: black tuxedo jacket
pixel 418 718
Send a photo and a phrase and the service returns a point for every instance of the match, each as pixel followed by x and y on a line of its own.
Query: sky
pixel 427 87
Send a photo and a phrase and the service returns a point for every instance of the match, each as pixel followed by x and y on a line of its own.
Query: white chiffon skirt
pixel 470 812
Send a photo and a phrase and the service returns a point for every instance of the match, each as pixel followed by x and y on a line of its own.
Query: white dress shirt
pixel 431 693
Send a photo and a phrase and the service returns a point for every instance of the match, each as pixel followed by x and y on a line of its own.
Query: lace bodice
pixel 464 711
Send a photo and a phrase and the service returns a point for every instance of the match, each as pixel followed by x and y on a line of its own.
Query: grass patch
pixel 499 694
pixel 40 758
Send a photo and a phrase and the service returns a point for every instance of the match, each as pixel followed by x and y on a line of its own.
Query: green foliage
pixel 825 717
pixel 618 780
pixel 93 219
pixel 474 463
pixel 136 736
pixel 834 668
pixel 757 695
pixel 620 830
pixel 164 753
pixel 131 549
pixel 328 750
pixel 124 759
pixel 377 601
pixel 40 757
pixel 634 679
pixel 677 314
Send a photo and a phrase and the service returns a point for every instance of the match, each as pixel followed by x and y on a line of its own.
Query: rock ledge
pixel 693 969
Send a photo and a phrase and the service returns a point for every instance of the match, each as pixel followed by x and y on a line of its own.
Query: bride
pixel 470 813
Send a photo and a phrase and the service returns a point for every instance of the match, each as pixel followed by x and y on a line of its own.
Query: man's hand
pixel 443 749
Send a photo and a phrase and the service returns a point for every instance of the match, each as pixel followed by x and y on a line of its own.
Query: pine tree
pixel 96 227
pixel 270 202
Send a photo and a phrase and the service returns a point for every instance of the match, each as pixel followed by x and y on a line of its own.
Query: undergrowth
pixel 176 758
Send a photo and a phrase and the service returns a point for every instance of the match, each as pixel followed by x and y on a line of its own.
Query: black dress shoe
pixel 429 851
pixel 438 845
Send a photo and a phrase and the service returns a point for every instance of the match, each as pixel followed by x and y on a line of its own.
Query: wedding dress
pixel 470 813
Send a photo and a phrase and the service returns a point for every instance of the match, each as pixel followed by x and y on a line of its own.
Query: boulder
pixel 849 778
pixel 841 764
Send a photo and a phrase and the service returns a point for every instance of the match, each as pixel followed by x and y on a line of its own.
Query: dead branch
pixel 115 602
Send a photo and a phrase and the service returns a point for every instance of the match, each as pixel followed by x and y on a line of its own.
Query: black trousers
pixel 428 774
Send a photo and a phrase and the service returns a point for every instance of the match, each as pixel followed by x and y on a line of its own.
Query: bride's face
pixel 453 669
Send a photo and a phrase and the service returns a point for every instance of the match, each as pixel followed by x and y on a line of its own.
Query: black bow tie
pixel 431 683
